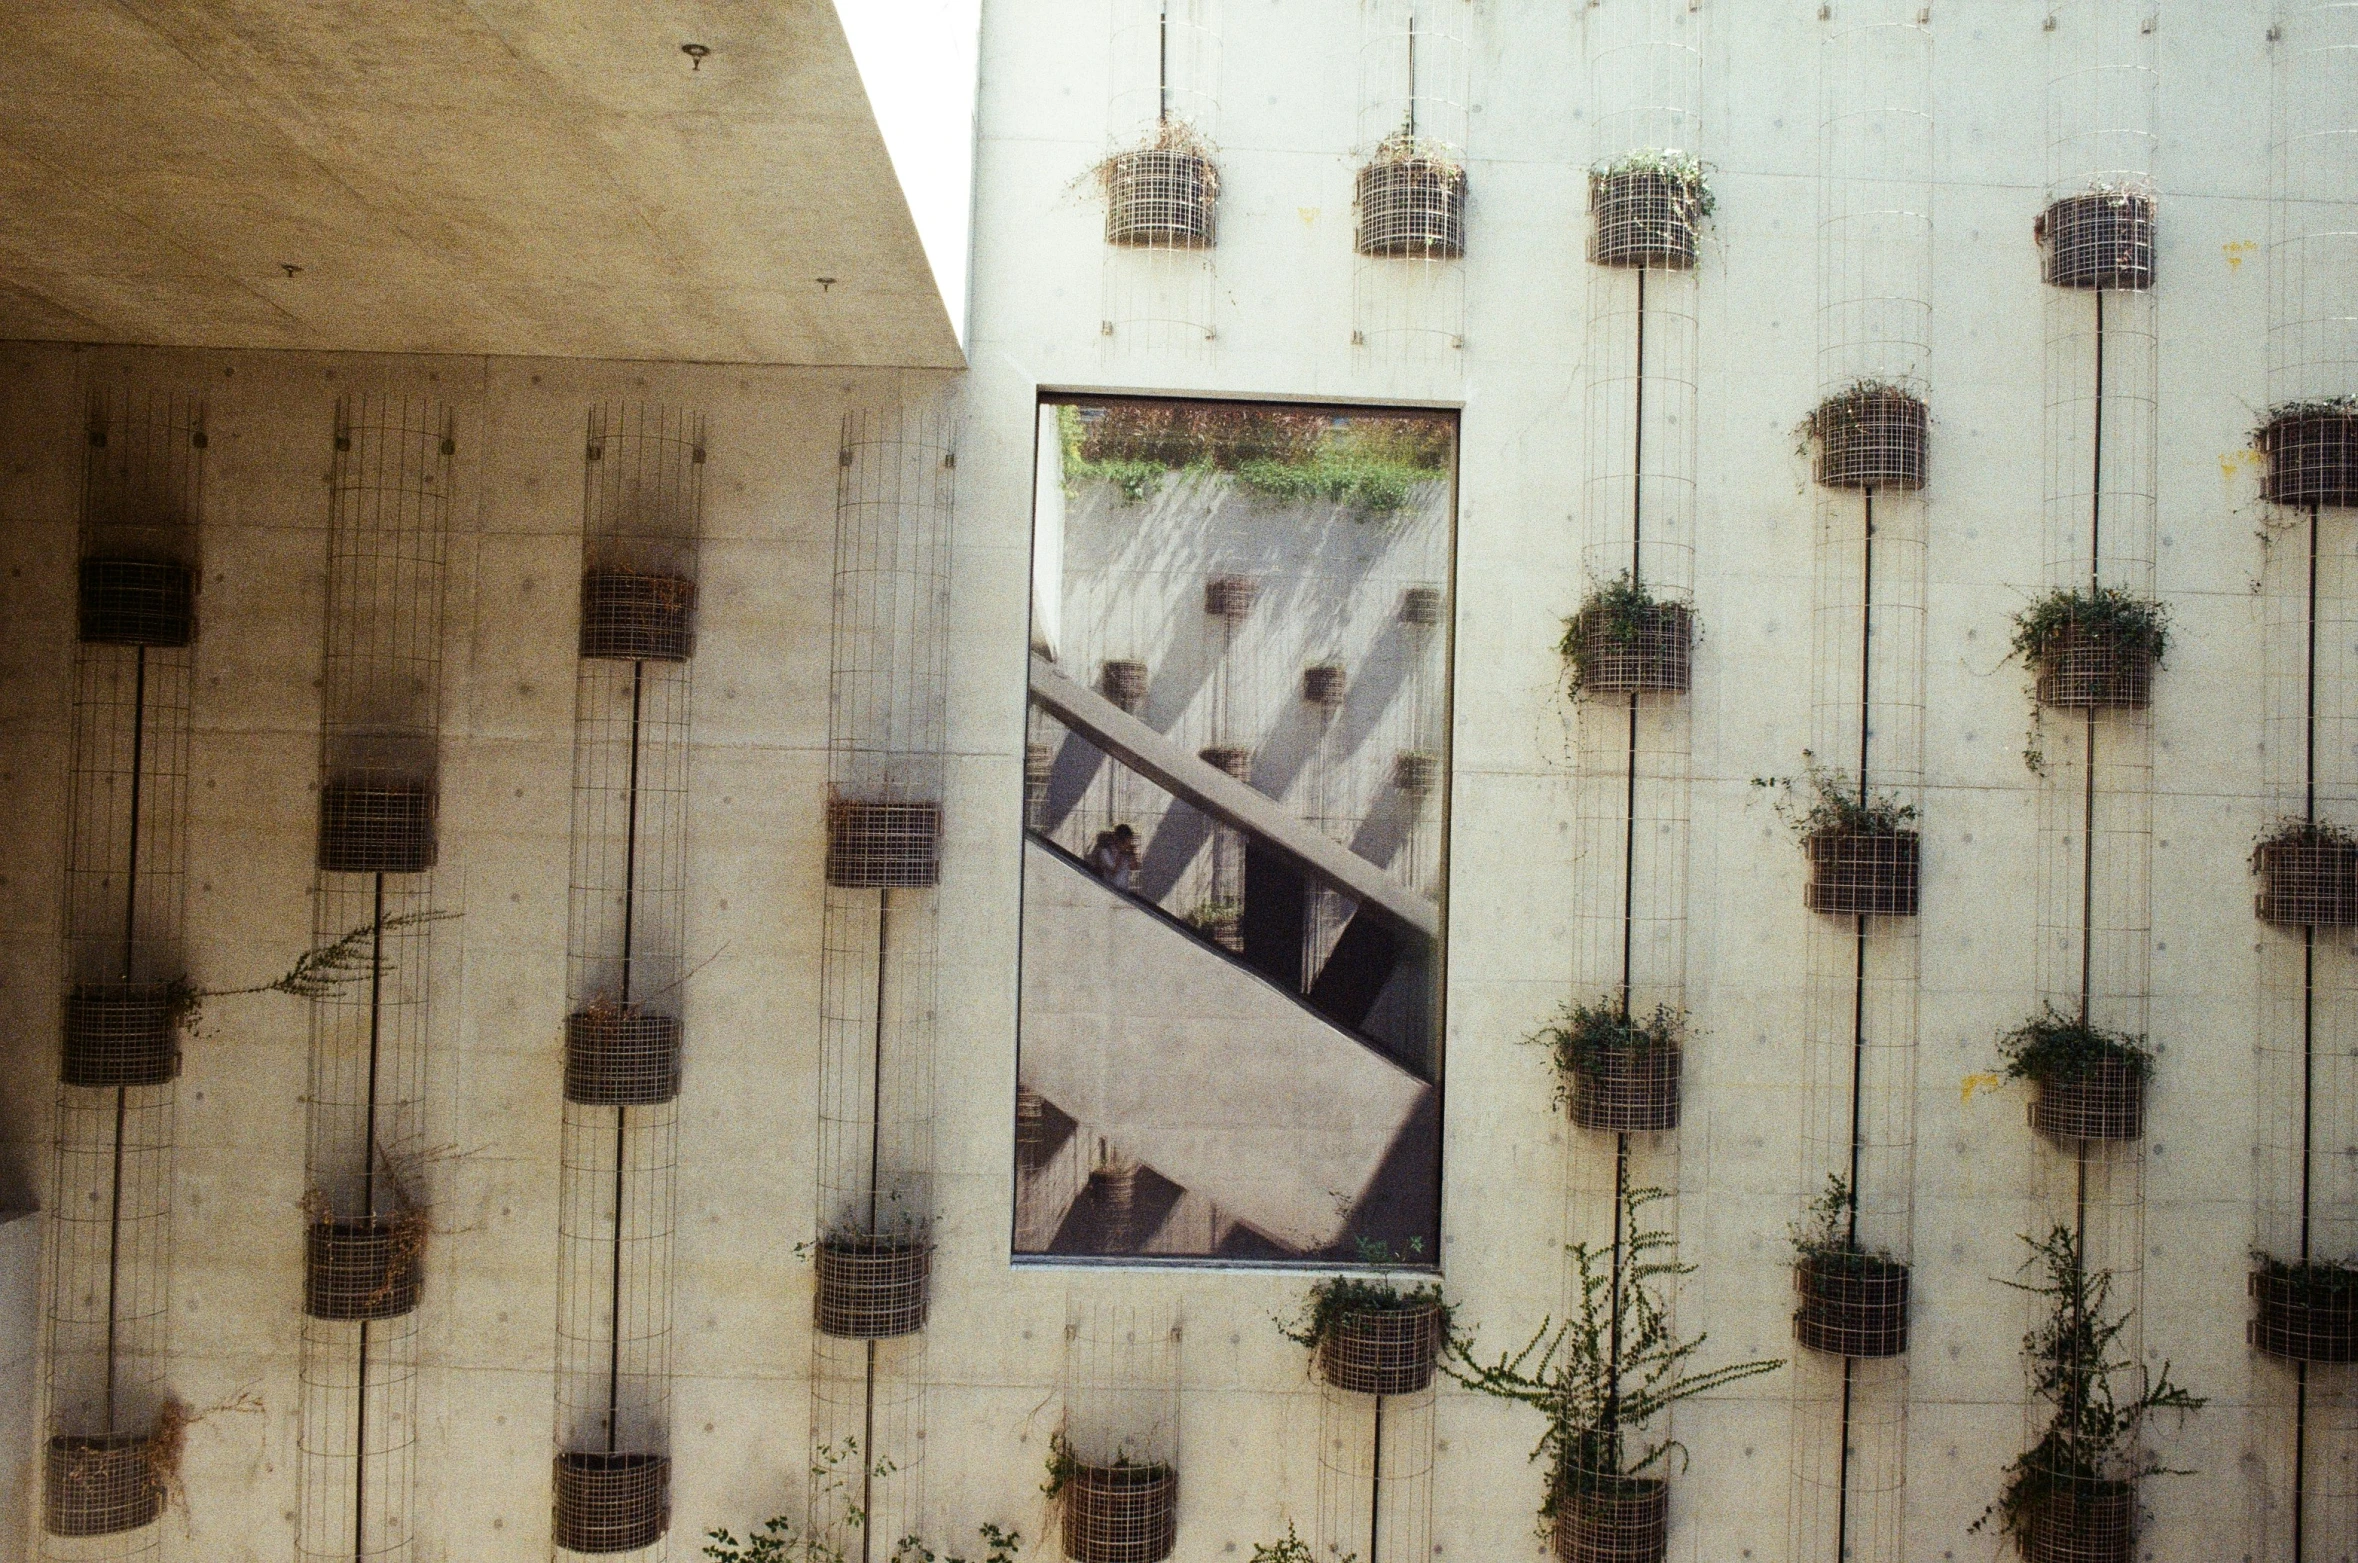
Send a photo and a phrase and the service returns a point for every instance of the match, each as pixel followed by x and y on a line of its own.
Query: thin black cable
pixel 2300 1480
pixel 1858 990
pixel 875 1175
pixel 368 1192
pixel 1375 1512
pixel 114 1227
pixel 630 876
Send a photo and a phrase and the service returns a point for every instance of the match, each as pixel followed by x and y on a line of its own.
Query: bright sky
pixel 917 60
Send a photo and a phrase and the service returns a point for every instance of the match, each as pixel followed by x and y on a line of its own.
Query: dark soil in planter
pixel 135 602
pixel 872 846
pixel 1642 217
pixel 2305 1313
pixel 100 1485
pixel 610 1502
pixel 1654 653
pixel 629 617
pixel 1876 438
pixel 2082 1522
pixel 2085 669
pixel 119 1033
pixel 1852 1305
pixel 2312 458
pixel 1120 1513
pixel 1231 597
pixel 1627 1090
pixel 1124 683
pixel 1160 196
pixel 873 1287
pixel 1382 1351
pixel 1416 772
pixel 1421 606
pixel 1229 759
pixel 1623 1519
pixel 621 1056
pixel 363 1269
pixel 1323 686
pixel 370 826
pixel 2104 1101
pixel 1412 207
pixel 2099 240
pixel 1869 874
pixel 2307 880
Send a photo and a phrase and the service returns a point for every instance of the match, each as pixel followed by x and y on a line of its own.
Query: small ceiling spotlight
pixel 695 52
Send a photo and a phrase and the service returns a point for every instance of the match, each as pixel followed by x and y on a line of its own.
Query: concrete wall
pixel 20 1362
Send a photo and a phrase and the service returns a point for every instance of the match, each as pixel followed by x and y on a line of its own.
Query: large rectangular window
pixel 1235 791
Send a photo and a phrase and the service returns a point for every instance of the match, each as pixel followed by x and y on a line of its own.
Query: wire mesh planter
pixel 1231 597
pixel 367 1268
pixel 1382 1351
pixel 1124 683
pixel 1862 873
pixel 119 1033
pixel 2099 239
pixel 2085 668
pixel 1647 648
pixel 136 602
pixel 1230 759
pixel 621 1056
pixel 2105 1100
pixel 873 1286
pixel 1120 1513
pixel 1412 207
pixel 1421 606
pixel 2308 878
pixel 632 617
pixel 1612 1519
pixel 1871 436
pixel 1160 196
pixel 2081 1521
pixel 1323 685
pixel 1643 217
pixel 1626 1090
pixel 372 825
pixel 875 846
pixel 610 1502
pixel 101 1485
pixel 1416 772
pixel 2305 1312
pixel 1852 1305
pixel 2312 455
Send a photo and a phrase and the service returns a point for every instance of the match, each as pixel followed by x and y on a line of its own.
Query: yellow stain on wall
pixel 1976 1085
pixel 2236 250
pixel 2236 460
pixel 1309 214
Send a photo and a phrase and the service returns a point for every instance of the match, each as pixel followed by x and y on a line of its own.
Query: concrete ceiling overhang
pixel 480 176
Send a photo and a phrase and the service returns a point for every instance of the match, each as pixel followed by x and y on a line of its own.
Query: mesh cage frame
pixel 1863 873
pixel 2306 880
pixel 872 1286
pixel 2303 1317
pixel 367 1268
pixel 1642 217
pixel 2104 1101
pixel 119 1034
pixel 1229 759
pixel 100 1485
pixel 1421 606
pixel 2312 458
pixel 621 1056
pixel 1382 1351
pixel 1627 1090
pixel 604 1502
pixel 883 846
pixel 2085 669
pixel 1852 1306
pixel 1411 208
pixel 1124 682
pixel 1164 197
pixel 1120 1513
pixel 1878 438
pixel 2098 239
pixel 377 825
pixel 1658 658
pixel 135 602
pixel 2081 1521
pixel 633 616
pixel 1416 772
pixel 1323 685
pixel 1231 597
pixel 1612 1519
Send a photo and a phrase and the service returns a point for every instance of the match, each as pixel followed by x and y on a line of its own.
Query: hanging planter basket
pixel 1416 772
pixel 1228 759
pixel 1160 196
pixel 1639 649
pixel 879 846
pixel 1643 217
pixel 370 825
pixel 1382 1351
pixel 1120 1513
pixel 1871 436
pixel 363 1269
pixel 1421 606
pixel 630 617
pixel 610 1502
pixel 1852 1305
pixel 100 1485
pixel 2308 878
pixel 1412 206
pixel 2305 1312
pixel 1626 1090
pixel 119 1034
pixel 2086 668
pixel 1124 683
pixel 1612 1519
pixel 2104 1100
pixel 1231 597
pixel 2099 239
pixel 873 1286
pixel 2081 1522
pixel 2312 451
pixel 1322 686
pixel 1862 873
pixel 135 602
pixel 621 1056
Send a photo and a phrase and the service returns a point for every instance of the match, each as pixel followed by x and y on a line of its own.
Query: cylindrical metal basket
pixel 1852 1305
pixel 632 617
pixel 1416 772
pixel 1230 759
pixel 2099 239
pixel 873 1286
pixel 2082 1522
pixel 1412 207
pixel 1124 683
pixel 621 1056
pixel 610 1502
pixel 363 1269
pixel 2104 1101
pixel 1613 1519
pixel 1873 438
pixel 1653 650
pixel 1627 1090
pixel 1862 873
pixel 2307 880
pixel 2312 458
pixel 1160 196
pixel 1643 217
pixel 100 1485
pixel 373 826
pixel 1323 684
pixel 119 1033
pixel 1382 1351
pixel 1231 597
pixel 136 602
pixel 872 846
pixel 1421 606
pixel 1120 1513
pixel 2086 669
pixel 2305 1313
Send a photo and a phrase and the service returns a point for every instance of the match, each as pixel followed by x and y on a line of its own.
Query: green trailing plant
pixel 2293 831
pixel 1581 1035
pixel 2055 1046
pixel 1833 805
pixel 2093 1434
pixel 1293 1550
pixel 1406 146
pixel 781 1539
pixel 1371 465
pixel 1064 1466
pixel 1335 1298
pixel 1845 412
pixel 321 972
pixel 1621 610
pixel 1608 1371
pixel 2306 407
pixel 1209 917
pixel 1683 168
pixel 1827 1236
pixel 2103 612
